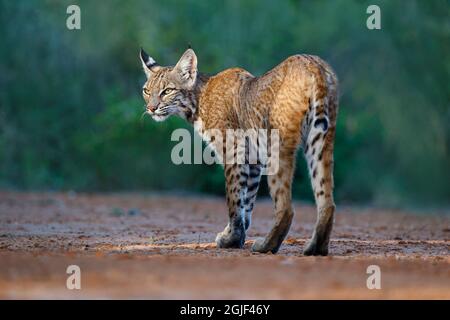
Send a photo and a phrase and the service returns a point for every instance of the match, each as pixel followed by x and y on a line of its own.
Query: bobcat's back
pixel 300 89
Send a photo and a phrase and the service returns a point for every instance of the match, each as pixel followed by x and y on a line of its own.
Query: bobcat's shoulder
pixel 220 98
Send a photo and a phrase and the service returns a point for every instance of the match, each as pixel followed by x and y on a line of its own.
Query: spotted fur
pixel 299 97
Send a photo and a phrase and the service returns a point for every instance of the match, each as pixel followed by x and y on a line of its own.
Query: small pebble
pixel 134 212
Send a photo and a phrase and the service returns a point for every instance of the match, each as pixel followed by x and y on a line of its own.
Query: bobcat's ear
pixel 148 63
pixel 185 72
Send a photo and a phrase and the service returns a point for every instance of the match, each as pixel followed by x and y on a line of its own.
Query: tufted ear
pixel 185 72
pixel 148 63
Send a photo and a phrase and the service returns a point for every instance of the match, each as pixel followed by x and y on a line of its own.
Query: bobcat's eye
pixel 167 91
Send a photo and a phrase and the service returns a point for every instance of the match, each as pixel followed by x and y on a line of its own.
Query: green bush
pixel 70 105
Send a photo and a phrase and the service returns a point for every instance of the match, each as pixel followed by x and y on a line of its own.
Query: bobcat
pixel 299 97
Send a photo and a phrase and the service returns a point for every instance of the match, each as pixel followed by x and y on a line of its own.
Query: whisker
pixel 168 108
pixel 142 116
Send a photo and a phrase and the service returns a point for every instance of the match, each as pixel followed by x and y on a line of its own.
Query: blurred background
pixel 71 106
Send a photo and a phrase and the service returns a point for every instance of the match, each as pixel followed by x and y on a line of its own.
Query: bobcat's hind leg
pixel 280 191
pixel 319 156
pixel 254 177
pixel 233 236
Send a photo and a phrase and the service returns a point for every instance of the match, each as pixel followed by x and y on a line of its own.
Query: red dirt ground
pixel 158 247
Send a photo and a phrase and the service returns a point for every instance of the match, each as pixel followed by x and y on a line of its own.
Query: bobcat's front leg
pixel 236 188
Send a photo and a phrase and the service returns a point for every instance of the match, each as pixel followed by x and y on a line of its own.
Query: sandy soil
pixel 158 247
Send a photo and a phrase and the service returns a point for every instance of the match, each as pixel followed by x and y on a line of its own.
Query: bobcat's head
pixel 170 90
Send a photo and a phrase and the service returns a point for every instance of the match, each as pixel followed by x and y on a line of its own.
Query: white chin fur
pixel 159 118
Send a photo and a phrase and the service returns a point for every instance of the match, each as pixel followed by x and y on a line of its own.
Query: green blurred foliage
pixel 70 105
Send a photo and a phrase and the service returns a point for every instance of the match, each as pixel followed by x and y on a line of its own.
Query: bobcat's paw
pixel 313 248
pixel 229 239
pixel 261 246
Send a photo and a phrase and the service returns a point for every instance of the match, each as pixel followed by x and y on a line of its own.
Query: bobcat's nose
pixel 152 108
